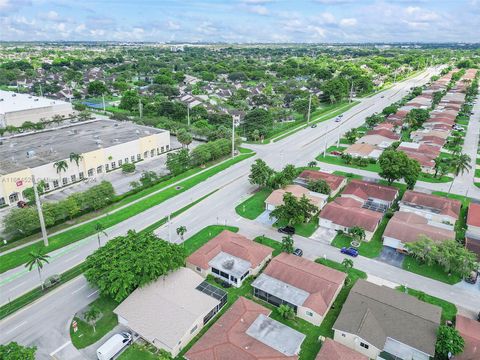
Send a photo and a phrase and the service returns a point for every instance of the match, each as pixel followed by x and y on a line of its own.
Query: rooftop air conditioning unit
pixel 30 153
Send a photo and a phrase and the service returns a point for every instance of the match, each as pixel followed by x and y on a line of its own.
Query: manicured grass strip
pixel 305 229
pixel 435 271
pixel 140 352
pixel 196 241
pixel 37 293
pixel 254 205
pixel 85 335
pixel 449 310
pixel 276 245
pixel 20 256
pixel 352 276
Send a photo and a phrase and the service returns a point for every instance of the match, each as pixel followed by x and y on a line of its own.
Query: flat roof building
pixel 104 145
pixel 15 108
pixel 169 312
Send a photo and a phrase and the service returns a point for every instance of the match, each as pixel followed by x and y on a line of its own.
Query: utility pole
pixel 395 77
pixel 351 93
pixel 103 101
pixel 233 137
pixel 40 213
pixel 188 115
pixel 169 232
pixel 309 108
pixel 140 107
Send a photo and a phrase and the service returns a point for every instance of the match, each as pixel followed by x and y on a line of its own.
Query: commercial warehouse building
pixel 103 146
pixel 15 109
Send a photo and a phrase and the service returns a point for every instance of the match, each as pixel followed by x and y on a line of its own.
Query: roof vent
pixel 30 153
pixel 228 264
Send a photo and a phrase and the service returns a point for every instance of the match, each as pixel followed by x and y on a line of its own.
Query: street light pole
pixel 309 108
pixel 188 115
pixel 40 213
pixel 233 137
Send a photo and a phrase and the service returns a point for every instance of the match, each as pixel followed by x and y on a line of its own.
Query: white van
pixel 113 346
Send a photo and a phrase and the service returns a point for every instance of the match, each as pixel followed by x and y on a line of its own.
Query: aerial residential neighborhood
pixel 239 180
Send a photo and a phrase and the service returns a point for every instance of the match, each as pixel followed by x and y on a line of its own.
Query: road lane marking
pixel 93 293
pixel 80 288
pixel 16 327
pixel 16 286
pixel 60 348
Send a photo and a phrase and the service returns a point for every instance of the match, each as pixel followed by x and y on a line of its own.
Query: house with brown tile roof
pixel 436 209
pixel 308 287
pixel 231 257
pixel 364 190
pixel 469 329
pixel 423 153
pixel 408 227
pixel 472 240
pixel 276 197
pixel 332 350
pixel 335 182
pixel 366 151
pixel 245 332
pixel 382 138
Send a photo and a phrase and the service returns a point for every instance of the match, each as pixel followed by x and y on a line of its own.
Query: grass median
pixel 21 256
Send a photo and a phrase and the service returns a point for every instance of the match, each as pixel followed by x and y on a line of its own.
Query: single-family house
pixel 436 209
pixel 306 286
pixel 169 312
pixel 472 240
pixel 247 332
pixel 407 227
pixel 378 321
pixel 366 151
pixel 335 182
pixel 371 193
pixel 276 197
pixel 231 257
pixel 382 138
pixel 332 350
pixel 469 330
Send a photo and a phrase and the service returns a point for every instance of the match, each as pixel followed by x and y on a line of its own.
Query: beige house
pixel 364 151
pixel 276 197
pixel 171 311
pixel 308 287
pixel 103 146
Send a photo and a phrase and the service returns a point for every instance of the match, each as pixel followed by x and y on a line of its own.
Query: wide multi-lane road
pixel 298 149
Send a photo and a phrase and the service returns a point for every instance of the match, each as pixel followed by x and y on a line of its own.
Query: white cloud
pixel 347 22
pixel 4 4
pixel 173 25
pixel 258 9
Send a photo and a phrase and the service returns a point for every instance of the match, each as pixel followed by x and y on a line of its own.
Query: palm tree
pixel 100 230
pixel 286 312
pixel 92 315
pixel 461 163
pixel 37 259
pixel 61 165
pixel 347 263
pixel 357 233
pixel 181 230
pixel 76 158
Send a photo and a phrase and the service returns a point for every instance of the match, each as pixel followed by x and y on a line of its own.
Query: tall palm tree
pixel 37 259
pixel 460 164
pixel 100 230
pixel 181 230
pixel 60 166
pixel 76 159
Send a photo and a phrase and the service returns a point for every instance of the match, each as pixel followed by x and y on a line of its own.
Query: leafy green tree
pixel 179 162
pixel 319 186
pixel 347 263
pixel 96 88
pixel 287 244
pixel 335 89
pixel 14 351
pixel 181 230
pixel 128 168
pixel 393 164
pixel 449 341
pixel 290 172
pixel 129 100
pixel 100 230
pixel 92 315
pixel 258 119
pixel 351 135
pixel 286 312
pixel 294 211
pixel 411 173
pixel 37 259
pixel 260 173
pixel 127 262
pixel 416 117
pixel 357 233
pixel 184 137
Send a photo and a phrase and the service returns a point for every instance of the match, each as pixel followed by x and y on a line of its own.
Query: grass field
pixel 139 352
pixel 194 242
pixel 21 256
pixel 276 245
pixel 434 272
pixel 252 207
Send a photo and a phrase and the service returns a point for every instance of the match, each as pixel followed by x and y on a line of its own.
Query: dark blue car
pixel 350 251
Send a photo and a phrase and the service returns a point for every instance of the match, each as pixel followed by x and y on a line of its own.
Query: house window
pixel 64 181
pixel 55 184
pixel 120 162
pixel 14 197
pixel 162 149
pixel 158 151
pixel 73 178
pixel 99 170
pixel 46 187
pixel 152 153
pixel 167 147
pixel 126 160
pixel 114 164
pixel 90 172
pixel 132 158
pixel 81 176
pixel 309 313
pixel 2 201
pixel 107 167
pixel 194 328
pixel 145 154
pixel 366 346
pixel 139 157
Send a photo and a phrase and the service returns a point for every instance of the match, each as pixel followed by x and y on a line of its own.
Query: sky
pixel 241 21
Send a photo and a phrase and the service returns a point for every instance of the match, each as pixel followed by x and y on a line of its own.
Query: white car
pixel 114 345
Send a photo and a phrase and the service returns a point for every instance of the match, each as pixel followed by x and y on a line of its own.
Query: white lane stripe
pixel 80 288
pixel 93 293
pixel 16 327
pixel 60 348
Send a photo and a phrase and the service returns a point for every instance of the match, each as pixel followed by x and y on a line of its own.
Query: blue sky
pixel 242 21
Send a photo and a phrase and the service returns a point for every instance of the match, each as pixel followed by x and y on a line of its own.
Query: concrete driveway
pixel 391 257
pixel 324 235
pixel 264 218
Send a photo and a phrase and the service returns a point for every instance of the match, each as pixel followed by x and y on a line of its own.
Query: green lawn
pixel 274 244
pixel 21 256
pixel 85 335
pixel 370 249
pixel 305 229
pixel 252 207
pixel 434 272
pixel 449 310
pixel 140 352
pixel 196 241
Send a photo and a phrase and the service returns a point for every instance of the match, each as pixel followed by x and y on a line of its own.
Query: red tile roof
pixel 385 133
pixel 334 181
pixel 227 339
pixel 473 245
pixel 365 190
pixel 319 281
pixel 450 207
pixel 332 350
pixel 473 217
pixel 469 329
pixel 233 244
pixel 384 126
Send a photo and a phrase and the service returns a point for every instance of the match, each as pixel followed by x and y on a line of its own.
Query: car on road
pixel 313 126
pixel 340 116
pixel 298 252
pixel 51 281
pixel 338 119
pixel 382 96
pixel 351 251
pixel 114 345
pixel 289 230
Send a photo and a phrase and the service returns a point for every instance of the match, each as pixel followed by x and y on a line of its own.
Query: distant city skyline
pixel 241 21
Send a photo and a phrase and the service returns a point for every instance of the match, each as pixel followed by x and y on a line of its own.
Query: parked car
pixel 289 230
pixel 472 279
pixel 313 126
pixel 298 252
pixel 340 116
pixel 51 281
pixel 335 152
pixel 349 251
pixel 114 345
pixel 338 119
pixel 382 96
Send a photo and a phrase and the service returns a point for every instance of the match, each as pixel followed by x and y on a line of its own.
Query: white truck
pixel 113 346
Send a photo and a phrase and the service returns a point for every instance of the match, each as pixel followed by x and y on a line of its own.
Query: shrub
pixel 128 168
